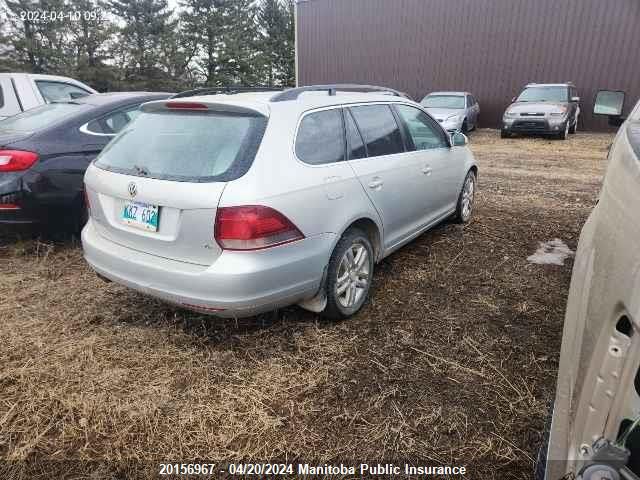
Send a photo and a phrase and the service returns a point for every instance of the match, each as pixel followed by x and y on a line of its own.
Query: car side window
pixel 59 91
pixel 422 130
pixel 469 101
pixel 113 122
pixel 320 138
pixel 355 144
pixel 379 129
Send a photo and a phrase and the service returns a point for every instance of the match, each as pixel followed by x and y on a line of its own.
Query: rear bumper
pixel 238 284
pixel 18 217
pixel 12 210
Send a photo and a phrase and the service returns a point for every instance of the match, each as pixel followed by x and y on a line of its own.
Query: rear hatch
pixel 156 187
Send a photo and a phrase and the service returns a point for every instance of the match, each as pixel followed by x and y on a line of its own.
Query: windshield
pixel 39 117
pixel 443 101
pixel 185 146
pixel 544 94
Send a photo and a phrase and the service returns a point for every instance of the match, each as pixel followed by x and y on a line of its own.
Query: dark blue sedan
pixel 45 151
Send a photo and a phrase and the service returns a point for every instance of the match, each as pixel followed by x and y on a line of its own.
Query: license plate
pixel 140 215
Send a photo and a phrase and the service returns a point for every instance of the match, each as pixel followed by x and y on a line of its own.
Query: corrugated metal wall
pixel 490 47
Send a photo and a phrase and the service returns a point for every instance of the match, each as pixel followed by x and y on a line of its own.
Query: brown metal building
pixel 491 48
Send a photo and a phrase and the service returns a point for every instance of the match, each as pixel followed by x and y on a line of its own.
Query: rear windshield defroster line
pixel 186 146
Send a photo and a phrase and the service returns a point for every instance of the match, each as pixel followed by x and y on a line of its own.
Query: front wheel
pixel 349 275
pixel 565 133
pixel 464 208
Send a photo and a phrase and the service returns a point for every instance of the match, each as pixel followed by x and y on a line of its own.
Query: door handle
pixel 376 183
pixel 427 170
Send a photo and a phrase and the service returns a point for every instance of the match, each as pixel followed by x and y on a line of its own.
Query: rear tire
pixel 82 217
pixel 464 207
pixel 349 275
pixel 504 134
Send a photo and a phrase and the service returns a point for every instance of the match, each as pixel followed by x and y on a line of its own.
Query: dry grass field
pixel 452 361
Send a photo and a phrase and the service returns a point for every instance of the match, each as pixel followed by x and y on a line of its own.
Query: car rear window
pixel 185 146
pixel 40 117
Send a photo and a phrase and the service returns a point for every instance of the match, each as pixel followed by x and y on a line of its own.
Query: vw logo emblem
pixel 133 189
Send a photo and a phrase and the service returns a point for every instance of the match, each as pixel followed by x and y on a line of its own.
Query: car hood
pixel 8 137
pixel 443 113
pixel 537 107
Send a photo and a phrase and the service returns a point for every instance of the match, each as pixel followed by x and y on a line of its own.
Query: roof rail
pixel 229 90
pixel 294 93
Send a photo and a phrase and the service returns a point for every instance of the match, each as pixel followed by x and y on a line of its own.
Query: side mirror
pixel 575 99
pixel 459 139
pixel 610 103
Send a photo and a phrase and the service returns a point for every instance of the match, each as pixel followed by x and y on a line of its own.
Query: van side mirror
pixel 459 139
pixel 611 104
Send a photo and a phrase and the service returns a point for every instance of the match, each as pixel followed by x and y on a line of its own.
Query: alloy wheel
pixel 468 193
pixel 353 275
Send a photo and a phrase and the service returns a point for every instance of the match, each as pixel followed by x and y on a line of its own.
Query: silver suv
pixel 236 204
pixel 543 109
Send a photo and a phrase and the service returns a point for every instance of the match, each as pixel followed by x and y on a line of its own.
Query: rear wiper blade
pixel 141 171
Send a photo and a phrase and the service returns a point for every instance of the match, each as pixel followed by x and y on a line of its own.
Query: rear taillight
pixel 9 206
pixel 253 227
pixel 16 160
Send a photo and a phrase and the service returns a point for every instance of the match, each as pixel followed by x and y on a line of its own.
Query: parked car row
pixel 188 203
pixel 541 109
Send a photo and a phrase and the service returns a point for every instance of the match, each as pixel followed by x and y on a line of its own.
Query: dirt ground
pixel 452 361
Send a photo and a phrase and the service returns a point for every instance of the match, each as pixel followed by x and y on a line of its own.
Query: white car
pixel 594 432
pixel 241 203
pixel 24 91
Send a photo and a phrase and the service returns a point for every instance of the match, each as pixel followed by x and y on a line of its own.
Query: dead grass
pixel 452 361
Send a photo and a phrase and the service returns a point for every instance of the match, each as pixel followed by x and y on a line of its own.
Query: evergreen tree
pixel 39 46
pixel 225 33
pixel 88 43
pixel 138 48
pixel 276 20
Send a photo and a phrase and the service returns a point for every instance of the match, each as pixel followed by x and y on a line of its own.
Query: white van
pixel 23 91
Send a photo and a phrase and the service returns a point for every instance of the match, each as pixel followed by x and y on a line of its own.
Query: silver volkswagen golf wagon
pixel 240 203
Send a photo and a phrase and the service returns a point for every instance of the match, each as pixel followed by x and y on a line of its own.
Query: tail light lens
pixel 16 160
pixel 253 227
